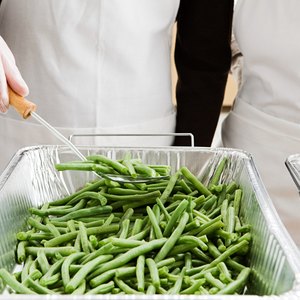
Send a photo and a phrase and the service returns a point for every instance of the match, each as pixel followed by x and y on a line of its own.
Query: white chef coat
pixel 266 114
pixel 92 66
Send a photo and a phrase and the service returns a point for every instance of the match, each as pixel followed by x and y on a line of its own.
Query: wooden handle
pixel 22 105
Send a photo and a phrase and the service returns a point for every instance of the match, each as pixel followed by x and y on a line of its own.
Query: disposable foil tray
pixel 31 180
pixel 293 165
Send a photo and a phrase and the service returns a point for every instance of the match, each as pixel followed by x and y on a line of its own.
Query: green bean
pixel 50 280
pixel 165 262
pixel 190 208
pixel 230 219
pixel 92 221
pixel 237 201
pixel 117 291
pixel 84 238
pixel 111 183
pixel 172 206
pixel 163 271
pixel 192 225
pixel 137 204
pixel 34 285
pixel 195 270
pixel 225 275
pixel 214 281
pixel 124 229
pixel 230 251
pixel 122 191
pixel 202 228
pixel 94 186
pixel 178 284
pixel 126 243
pixel 126 288
pixel 154 223
pixel 131 254
pixel 218 172
pixel 166 248
pixel 77 243
pixel 140 273
pixel 201 274
pixel 141 235
pixel 93 241
pixel 128 164
pixel 153 272
pixel 169 187
pixel 183 248
pixel 71 225
pixel 200 254
pixel 161 183
pixel 85 212
pixel 35 275
pixel 109 162
pixel 202 217
pixel 209 202
pixel 194 287
pixel 145 170
pixel 43 261
pixel 36 224
pixel 226 235
pixel 102 278
pixel 53 229
pixel 234 265
pixel 132 198
pixel 72 235
pixel 237 284
pixel 220 244
pixel 151 289
pixel 81 166
pixel 51 271
pixel 51 251
pixel 26 267
pixel 28 236
pixel 137 227
pixel 86 269
pixel 125 272
pixel 185 186
pixel 166 169
pixel 106 249
pixel 181 196
pixel 175 216
pixel 101 289
pixel 163 209
pixel 224 208
pixel 21 251
pixel 188 261
pixel 231 187
pixel 80 290
pixel 59 210
pixel 193 240
pixel 66 264
pixel 194 180
pixel 215 212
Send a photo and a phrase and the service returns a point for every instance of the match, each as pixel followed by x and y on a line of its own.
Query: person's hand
pixel 9 74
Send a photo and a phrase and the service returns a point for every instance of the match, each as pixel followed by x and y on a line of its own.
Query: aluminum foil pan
pixel 30 179
pixel 293 165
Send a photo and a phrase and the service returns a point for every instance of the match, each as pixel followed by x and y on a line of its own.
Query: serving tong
pixel 27 108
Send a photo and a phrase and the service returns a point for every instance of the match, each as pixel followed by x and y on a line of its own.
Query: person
pixel 264 119
pixel 104 67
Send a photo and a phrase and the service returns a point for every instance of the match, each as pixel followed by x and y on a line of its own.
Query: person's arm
pixel 202 58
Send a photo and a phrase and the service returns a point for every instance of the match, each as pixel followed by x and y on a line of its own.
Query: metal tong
pixel 27 108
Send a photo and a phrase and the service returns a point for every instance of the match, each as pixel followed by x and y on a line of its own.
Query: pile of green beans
pixel 173 236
